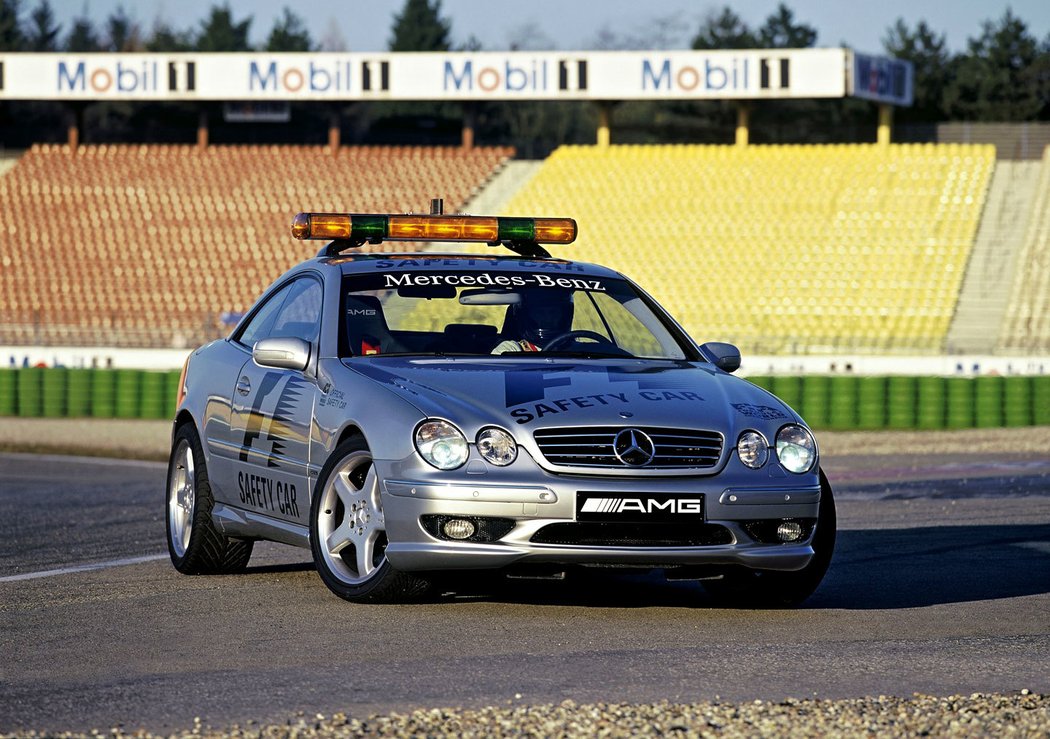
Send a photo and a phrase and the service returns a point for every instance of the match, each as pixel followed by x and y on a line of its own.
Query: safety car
pixel 411 416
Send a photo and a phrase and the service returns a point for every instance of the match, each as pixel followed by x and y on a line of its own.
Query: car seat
pixel 366 327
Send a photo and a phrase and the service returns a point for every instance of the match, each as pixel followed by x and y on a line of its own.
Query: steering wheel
pixel 580 334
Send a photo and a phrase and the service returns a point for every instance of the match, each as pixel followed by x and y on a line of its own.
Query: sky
pixel 364 25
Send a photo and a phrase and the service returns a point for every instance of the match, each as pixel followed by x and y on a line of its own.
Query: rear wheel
pixel 195 544
pixel 749 588
pixel 348 531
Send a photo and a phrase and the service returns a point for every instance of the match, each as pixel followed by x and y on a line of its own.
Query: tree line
pixel 1002 74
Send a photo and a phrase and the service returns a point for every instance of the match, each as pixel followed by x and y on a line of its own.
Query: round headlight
pixel 441 444
pixel 796 449
pixel 753 449
pixel 497 446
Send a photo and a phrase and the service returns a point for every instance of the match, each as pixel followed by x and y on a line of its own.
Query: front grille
pixel 592 446
pixel 633 535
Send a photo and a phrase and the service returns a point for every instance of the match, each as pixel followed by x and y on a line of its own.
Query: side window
pixel 300 316
pixel 295 310
pixel 259 325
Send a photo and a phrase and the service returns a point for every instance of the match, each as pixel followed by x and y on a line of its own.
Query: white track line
pixel 84 568
pixel 108 461
pixel 1036 546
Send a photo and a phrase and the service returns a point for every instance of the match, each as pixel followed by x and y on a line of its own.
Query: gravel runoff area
pixel 1022 714
pixel 137 439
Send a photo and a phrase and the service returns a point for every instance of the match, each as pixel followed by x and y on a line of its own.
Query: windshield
pixel 500 314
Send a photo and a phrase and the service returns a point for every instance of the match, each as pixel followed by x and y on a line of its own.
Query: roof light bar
pixel 377 228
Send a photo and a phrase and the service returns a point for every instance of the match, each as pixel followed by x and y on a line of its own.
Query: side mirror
pixel 724 356
pixel 283 353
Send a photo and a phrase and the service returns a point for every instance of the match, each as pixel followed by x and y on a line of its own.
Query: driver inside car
pixel 540 316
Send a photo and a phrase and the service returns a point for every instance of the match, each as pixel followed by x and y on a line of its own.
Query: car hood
pixel 536 393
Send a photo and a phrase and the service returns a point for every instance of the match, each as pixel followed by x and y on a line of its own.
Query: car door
pixel 272 413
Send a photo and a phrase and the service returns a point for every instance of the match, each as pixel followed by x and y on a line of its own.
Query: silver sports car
pixel 406 416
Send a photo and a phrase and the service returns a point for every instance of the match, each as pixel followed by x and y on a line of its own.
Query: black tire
pixel 747 588
pixel 195 544
pixel 347 518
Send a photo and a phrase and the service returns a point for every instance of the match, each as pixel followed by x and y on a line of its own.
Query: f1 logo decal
pixel 253 426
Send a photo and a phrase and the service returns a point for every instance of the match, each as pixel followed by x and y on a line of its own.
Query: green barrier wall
pixel 30 392
pixel 1041 400
pixel 172 392
pixel 154 395
pixel 54 385
pixel 816 395
pixel 789 389
pixel 128 393
pixel 103 393
pixel 871 402
pixel 932 403
pixel 78 393
pixel 843 402
pixel 901 402
pixel 1017 401
pixel 8 392
pixel 763 381
pixel 959 392
pixel 988 402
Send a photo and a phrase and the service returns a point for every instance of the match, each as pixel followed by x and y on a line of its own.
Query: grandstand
pixel 854 248
pixel 1026 327
pixel 149 245
pixel 916 248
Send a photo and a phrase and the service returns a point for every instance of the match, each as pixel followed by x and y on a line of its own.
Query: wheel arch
pixel 182 418
pixel 351 431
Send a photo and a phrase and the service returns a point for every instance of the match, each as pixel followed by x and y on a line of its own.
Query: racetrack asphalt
pixel 940 585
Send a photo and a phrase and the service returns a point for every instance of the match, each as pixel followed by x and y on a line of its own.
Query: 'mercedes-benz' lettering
pixel 408 279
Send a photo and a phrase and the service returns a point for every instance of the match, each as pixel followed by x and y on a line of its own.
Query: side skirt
pixel 249 525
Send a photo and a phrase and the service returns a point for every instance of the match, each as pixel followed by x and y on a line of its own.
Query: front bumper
pixel 553 500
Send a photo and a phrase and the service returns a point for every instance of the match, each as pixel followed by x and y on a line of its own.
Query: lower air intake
pixel 632 535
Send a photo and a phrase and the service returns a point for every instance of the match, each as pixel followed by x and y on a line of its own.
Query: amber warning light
pixel 488 229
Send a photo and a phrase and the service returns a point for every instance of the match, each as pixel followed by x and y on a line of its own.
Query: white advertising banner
pixel 565 75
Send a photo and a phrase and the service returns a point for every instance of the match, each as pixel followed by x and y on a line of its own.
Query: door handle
pixel 244 386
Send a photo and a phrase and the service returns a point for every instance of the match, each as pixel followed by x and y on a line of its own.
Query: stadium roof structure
pixel 603 77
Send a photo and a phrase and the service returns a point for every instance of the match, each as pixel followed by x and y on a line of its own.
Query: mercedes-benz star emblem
pixel 634 447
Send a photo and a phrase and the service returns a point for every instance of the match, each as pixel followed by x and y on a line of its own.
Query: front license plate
pixel 642 508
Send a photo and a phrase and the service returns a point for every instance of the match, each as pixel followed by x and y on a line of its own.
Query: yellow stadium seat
pixel 774 242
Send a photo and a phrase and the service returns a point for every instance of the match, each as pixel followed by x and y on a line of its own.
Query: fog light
pixel 458 528
pixel 789 531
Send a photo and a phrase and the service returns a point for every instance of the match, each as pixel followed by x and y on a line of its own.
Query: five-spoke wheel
pixel 350 520
pixel 348 531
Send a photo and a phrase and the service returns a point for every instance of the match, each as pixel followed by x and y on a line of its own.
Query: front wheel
pixel 348 531
pixel 773 589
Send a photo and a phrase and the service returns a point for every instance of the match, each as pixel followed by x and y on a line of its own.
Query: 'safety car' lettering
pixel 270 495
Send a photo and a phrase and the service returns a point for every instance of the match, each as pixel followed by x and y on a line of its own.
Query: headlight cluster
pixel 497 446
pixel 795 447
pixel 444 446
pixel 753 449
